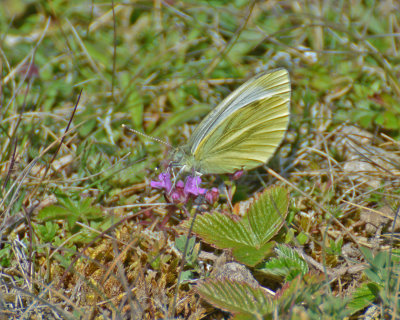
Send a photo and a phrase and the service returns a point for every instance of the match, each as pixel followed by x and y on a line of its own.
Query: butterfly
pixel 243 131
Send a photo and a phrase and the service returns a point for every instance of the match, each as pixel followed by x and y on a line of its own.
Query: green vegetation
pixel 83 234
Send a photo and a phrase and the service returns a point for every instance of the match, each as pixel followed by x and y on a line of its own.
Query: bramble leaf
pixel 248 238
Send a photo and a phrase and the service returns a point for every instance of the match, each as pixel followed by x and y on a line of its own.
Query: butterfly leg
pixel 175 177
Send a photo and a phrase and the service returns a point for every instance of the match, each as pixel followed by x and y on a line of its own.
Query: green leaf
pixel 236 297
pixel 381 260
pixel 302 238
pixel 252 255
pixel 388 120
pixel 222 231
pixel 71 211
pixel 335 246
pixel 267 214
pixel 65 260
pixel 180 243
pixel 47 232
pixel 192 249
pixel 98 53
pixel 373 275
pixel 249 237
pixel 298 290
pixel 363 296
pixel 187 275
pixel 288 263
pixel 6 255
pixel 52 212
pixel 367 253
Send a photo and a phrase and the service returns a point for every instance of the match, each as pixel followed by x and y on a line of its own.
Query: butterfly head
pixel 181 158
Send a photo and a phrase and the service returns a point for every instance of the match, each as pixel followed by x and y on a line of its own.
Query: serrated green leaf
pixel 64 260
pixel 52 212
pixel 47 232
pixel 288 263
pixel 66 202
pixel 222 231
pixel 363 296
pixel 267 214
pixel 296 290
pixel 284 251
pixel 252 256
pixel 236 297
pixel 71 211
pixel 249 237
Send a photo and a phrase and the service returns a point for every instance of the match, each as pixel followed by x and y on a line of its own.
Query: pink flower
pixel 181 192
pixel 192 186
pixel 237 175
pixel 178 195
pixel 212 195
pixel 164 183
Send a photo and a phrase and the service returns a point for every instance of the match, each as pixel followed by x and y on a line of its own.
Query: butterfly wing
pixel 261 86
pixel 244 131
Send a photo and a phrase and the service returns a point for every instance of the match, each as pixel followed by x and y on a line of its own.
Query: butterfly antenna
pixel 146 136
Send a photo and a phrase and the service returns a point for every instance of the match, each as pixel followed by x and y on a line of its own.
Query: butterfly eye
pixel 177 156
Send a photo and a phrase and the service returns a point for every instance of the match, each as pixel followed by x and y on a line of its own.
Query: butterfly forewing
pixel 258 88
pixel 248 128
